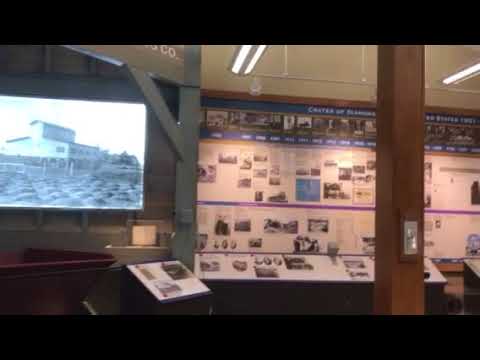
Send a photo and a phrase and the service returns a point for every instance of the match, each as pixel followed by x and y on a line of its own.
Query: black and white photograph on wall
pixel 304 125
pixel 275 181
pixel 275 170
pixel 278 197
pixel 305 244
pixel 260 157
pixel 168 289
pixel 243 225
pixel 359 169
pixel 460 135
pixel 207 173
pixel 475 193
pixel 315 172
pixel 344 128
pixel 334 191
pixel 209 265
pixel 363 196
pixel 304 122
pixel 260 173
pixel 436 134
pixel 257 122
pixel 428 199
pixel 258 196
pixel 202 241
pixel 358 128
pixel 222 225
pixel 331 128
pixel 176 271
pixel 289 123
pixel 293 262
pixel 370 128
pixel 217 120
pixel 244 182
pixel 246 161
pixel 255 243
pixel 370 179
pixel 359 180
pixel 371 165
pixel 319 126
pixel 277 123
pixel 273 226
pixel 266 272
pixel 354 263
pixel 51 159
pixel 321 225
pixel 345 174
pixel 368 245
pixel 240 265
pixel 428 173
pixel 228 158
pixel 302 172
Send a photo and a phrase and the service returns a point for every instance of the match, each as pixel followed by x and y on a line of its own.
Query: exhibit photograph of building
pixel 240 179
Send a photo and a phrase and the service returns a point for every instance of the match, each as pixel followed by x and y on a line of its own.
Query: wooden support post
pixel 399 283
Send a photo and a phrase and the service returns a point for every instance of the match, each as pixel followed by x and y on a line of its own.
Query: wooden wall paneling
pixel 399 286
pixel 66 61
pixel 107 70
pixel 22 59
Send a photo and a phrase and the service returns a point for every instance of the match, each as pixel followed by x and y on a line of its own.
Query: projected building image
pixel 46 166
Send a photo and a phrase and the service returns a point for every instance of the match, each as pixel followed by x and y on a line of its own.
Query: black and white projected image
pixel 69 154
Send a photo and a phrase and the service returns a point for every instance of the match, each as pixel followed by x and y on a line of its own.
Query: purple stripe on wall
pixel 324 207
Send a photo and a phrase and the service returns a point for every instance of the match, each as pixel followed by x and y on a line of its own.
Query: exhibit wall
pixel 291 178
pixel 49 71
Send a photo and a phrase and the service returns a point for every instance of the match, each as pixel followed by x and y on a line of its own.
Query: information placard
pixel 169 281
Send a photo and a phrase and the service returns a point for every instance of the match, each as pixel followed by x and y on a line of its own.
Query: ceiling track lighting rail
pixel 304 78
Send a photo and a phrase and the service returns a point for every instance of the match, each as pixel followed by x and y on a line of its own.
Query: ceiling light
pixel 258 54
pixel 246 58
pixel 463 75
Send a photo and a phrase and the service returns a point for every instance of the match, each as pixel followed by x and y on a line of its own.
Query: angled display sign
pixel 166 62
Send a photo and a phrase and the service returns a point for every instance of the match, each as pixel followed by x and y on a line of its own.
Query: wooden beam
pixel 156 102
pixel 399 284
pixel 68 87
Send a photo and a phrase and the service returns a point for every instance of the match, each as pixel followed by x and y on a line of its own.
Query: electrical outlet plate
pixel 410 241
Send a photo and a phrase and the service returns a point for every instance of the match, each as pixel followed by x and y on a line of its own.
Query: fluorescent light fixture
pixel 246 58
pixel 241 57
pixel 258 54
pixel 463 75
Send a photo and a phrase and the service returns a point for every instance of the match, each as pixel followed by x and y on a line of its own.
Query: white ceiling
pixel 345 70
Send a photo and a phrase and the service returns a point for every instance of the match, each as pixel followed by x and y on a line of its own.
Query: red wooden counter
pixel 48 282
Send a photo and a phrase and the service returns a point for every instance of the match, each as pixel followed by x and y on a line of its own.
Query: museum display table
pixel 161 287
pixel 48 282
pixel 471 278
pixel 300 284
